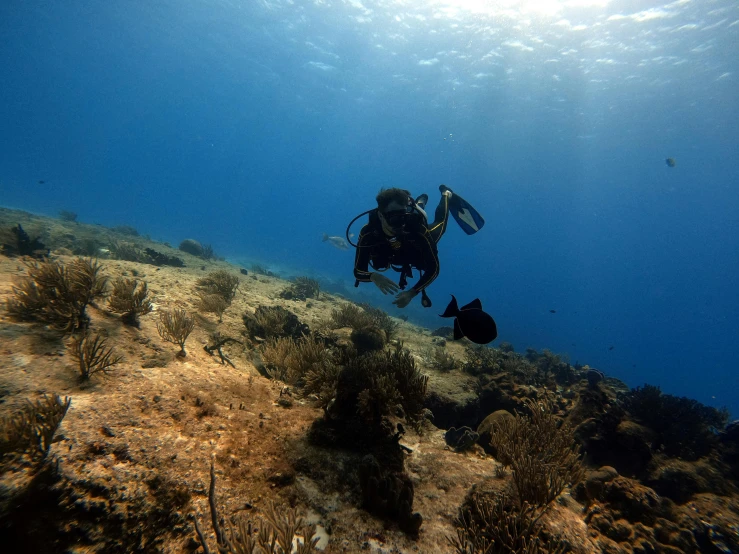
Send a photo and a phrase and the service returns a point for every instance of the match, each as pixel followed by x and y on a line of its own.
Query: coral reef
pixel 355 423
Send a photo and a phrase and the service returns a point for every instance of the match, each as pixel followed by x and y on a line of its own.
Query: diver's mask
pixel 396 218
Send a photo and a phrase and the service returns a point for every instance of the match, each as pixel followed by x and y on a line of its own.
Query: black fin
pixel 458 334
pixel 452 309
pixel 467 217
pixel 474 305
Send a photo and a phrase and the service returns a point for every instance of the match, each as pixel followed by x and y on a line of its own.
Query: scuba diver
pixel 398 236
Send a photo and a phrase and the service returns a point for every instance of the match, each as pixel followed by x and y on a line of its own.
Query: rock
pixel 452 412
pixel 501 393
pixel 460 439
pixel 485 429
pixel 192 246
pixel 628 499
pixel 677 480
pixel 596 481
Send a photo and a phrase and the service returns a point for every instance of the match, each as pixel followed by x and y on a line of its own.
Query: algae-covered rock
pixel 192 246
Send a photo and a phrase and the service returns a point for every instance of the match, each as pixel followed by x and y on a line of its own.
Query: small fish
pixel 552 311
pixel 670 162
pixel 41 182
pixel 336 242
pixel 610 348
pixel 471 322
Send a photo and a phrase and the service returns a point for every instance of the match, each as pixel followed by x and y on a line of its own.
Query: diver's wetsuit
pixel 415 247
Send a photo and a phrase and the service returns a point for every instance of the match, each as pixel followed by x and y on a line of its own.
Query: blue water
pixel 258 126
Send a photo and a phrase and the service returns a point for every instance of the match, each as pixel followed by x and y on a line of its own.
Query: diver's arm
pixel 431 271
pixel 362 257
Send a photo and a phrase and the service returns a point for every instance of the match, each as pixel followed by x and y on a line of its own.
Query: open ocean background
pixel 256 126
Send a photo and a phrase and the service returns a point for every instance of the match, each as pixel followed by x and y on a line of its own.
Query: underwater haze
pixel 257 126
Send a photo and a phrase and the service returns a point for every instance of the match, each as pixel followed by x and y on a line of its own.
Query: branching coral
pixel 386 381
pixel 31 431
pixel 482 359
pixel 497 527
pixel 289 360
pixel 175 327
pixel 540 450
pixel 277 532
pixel 381 319
pixel 364 315
pixel 273 321
pixel 126 251
pixel 321 381
pixel 216 292
pixel 219 282
pixel 349 315
pixel 213 304
pixel 93 355
pixel 440 359
pixel 129 299
pixel 302 289
pixel 58 294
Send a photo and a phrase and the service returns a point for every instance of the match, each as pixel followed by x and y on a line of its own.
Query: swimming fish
pixel 336 242
pixel 552 311
pixel 471 322
pixel 670 162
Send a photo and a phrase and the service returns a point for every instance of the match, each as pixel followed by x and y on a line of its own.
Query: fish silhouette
pixel 471 322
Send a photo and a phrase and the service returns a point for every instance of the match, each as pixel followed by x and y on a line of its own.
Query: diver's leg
pixel 441 216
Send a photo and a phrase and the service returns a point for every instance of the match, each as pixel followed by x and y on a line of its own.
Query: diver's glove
pixel 386 285
pixel 404 298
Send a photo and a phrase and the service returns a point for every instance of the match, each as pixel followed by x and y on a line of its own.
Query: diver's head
pixel 393 208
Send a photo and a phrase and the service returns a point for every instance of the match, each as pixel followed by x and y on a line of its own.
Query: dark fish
pixel 41 182
pixel 552 311
pixel 610 348
pixel 670 162
pixel 471 322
